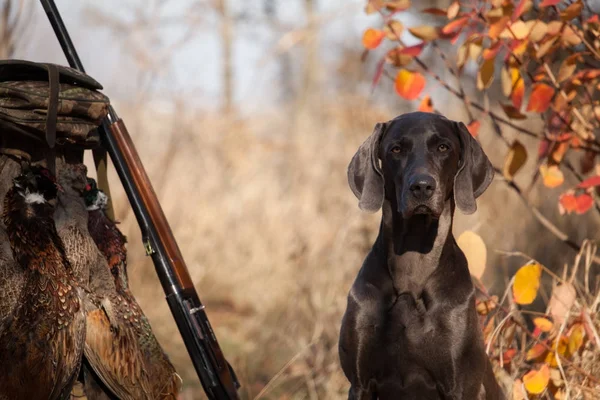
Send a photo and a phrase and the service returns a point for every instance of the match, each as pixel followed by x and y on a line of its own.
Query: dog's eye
pixel 443 147
pixel 396 149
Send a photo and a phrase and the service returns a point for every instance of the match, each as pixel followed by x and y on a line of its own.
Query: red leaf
pixel 409 84
pixel 412 50
pixel 455 25
pixel 548 3
pixel 590 182
pixel 434 11
pixel 578 204
pixel 473 128
pixel 519 9
pixel 426 104
pixel 378 73
pixel 372 38
pixel 508 355
pixel 592 19
pixel 540 98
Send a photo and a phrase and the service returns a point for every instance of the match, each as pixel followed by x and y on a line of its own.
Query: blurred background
pixel 246 114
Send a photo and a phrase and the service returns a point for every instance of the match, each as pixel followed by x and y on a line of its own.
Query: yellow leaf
pixel 485 77
pixel 576 338
pixel 475 251
pixel 557 351
pixel 535 381
pixel 516 30
pixel 527 283
pixel 424 32
pixel 453 10
pixel 544 324
pixel 537 30
pixel 515 159
pixel 552 176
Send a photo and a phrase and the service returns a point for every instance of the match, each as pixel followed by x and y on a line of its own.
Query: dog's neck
pixel 414 246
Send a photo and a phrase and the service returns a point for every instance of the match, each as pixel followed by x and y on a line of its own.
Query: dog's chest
pixel 410 273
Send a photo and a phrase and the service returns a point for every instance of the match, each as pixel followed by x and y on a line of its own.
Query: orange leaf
pixel 567 203
pixel 424 32
pixel 473 128
pixel 537 351
pixel 426 104
pixel 544 324
pixel 409 84
pixel 517 30
pixel 552 175
pixel 583 203
pixel 396 58
pixel 455 26
pixel 527 283
pixel 508 355
pixel 372 38
pixel 412 51
pixel 498 27
pixel 540 98
pixel 573 11
pixel 518 92
pixel 535 381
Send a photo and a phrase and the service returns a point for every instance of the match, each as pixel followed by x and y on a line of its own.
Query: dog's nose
pixel 422 187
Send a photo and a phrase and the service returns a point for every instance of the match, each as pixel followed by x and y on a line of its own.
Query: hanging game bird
pixel 111 242
pixel 41 342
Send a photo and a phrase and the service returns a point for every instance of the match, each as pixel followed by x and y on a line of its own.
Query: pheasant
pixel 41 343
pixel 111 242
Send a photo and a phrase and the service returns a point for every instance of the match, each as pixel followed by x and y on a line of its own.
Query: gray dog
pixel 411 330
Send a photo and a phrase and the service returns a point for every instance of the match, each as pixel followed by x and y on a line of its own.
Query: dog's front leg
pixel 361 338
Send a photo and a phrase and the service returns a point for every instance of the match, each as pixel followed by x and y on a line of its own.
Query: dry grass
pixel 273 236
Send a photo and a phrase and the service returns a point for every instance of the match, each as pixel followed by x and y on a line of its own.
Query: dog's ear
pixel 475 172
pixel 364 173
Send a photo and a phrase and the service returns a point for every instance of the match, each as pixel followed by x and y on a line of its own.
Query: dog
pixel 410 330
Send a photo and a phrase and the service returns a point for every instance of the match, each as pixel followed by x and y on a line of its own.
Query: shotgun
pixel 216 375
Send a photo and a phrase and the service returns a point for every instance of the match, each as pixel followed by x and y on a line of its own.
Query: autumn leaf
pixel 535 381
pixel 517 30
pixel 527 283
pixel 412 51
pixel 475 251
pixel 543 324
pixel 572 11
pixel 453 10
pixel 548 3
pixel 540 97
pixel 580 204
pixel 567 68
pixel 521 8
pixel 424 32
pixel 372 38
pixel 455 26
pixel 397 5
pixel 562 299
pixel 435 11
pixel 393 29
pixel 473 128
pixel 485 76
pixel 512 113
pixel 514 161
pixel 537 30
pixel 373 6
pixel 509 355
pixel 513 86
pixel 426 104
pixel 397 58
pixel 552 176
pixel 497 27
pixel 576 336
pixel 559 348
pixel 492 51
pixel 537 351
pixel 409 84
pixel 590 182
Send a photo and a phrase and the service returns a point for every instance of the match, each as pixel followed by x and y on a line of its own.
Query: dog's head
pixel 418 161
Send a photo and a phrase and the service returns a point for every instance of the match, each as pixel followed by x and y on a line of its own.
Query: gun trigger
pixel 148 247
